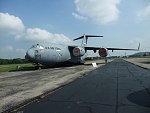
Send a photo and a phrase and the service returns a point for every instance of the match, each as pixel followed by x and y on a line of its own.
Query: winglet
pixel 139 46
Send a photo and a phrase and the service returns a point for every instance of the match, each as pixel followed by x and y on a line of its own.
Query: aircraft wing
pixel 77 50
pixel 97 48
pixel 121 49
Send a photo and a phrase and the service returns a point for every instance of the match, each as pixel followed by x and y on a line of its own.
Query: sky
pixel 123 23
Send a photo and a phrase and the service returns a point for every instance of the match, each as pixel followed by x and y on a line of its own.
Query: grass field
pixel 13 67
pixel 30 66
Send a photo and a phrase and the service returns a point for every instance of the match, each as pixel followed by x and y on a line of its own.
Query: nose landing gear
pixel 38 66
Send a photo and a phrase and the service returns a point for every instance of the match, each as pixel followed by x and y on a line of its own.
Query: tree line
pixel 12 61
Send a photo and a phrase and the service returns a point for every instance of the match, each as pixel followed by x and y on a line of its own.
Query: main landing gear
pixel 105 60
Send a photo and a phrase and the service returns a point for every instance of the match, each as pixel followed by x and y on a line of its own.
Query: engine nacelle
pixel 103 52
pixel 78 51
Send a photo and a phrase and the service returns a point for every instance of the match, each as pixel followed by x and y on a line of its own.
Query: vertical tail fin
pixel 85 38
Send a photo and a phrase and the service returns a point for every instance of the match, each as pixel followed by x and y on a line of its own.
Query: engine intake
pixel 78 51
pixel 103 52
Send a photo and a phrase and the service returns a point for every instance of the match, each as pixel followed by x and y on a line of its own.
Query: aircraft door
pixel 58 57
pixel 37 54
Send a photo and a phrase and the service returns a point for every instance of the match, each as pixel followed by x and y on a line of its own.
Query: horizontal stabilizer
pixel 86 37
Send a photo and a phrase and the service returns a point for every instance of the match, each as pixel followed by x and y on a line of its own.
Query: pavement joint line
pixel 116 107
pixel 140 82
pixel 136 105
pixel 80 102
pixel 147 90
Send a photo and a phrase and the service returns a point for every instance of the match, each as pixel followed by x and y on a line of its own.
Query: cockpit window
pixel 41 47
pixel 37 46
pixel 34 46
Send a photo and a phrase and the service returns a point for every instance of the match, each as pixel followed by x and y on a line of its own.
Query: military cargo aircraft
pixel 52 54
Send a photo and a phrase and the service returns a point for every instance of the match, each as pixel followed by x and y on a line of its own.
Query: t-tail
pixel 85 38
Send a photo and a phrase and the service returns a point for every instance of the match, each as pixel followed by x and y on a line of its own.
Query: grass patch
pixel 13 67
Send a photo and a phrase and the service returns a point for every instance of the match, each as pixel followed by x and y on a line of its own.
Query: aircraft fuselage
pixel 51 54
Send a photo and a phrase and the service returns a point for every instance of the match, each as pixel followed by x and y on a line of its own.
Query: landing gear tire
pixel 37 67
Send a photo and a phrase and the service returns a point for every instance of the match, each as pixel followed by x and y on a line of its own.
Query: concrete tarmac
pixel 118 87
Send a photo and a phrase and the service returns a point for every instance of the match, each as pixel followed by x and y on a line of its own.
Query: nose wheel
pixel 38 66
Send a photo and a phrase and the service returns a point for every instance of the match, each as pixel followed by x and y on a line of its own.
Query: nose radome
pixel 30 53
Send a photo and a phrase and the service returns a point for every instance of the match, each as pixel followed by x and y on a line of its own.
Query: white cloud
pixel 20 50
pixel 6 51
pixel 100 11
pixel 13 26
pixel 10 25
pixel 135 41
pixel 79 17
pixel 7 48
pixel 40 35
pixel 144 43
pixel 10 52
pixel 144 14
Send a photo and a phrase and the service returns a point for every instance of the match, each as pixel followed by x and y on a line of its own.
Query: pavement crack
pixel 148 91
pixel 138 80
pixel 78 103
pixel 83 105
pixel 77 91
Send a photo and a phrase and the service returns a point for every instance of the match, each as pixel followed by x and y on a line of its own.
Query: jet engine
pixel 78 51
pixel 103 52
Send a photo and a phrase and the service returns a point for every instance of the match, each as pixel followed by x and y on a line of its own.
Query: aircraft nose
pixel 30 54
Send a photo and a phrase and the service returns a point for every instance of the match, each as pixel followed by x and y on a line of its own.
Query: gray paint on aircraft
pixel 51 53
